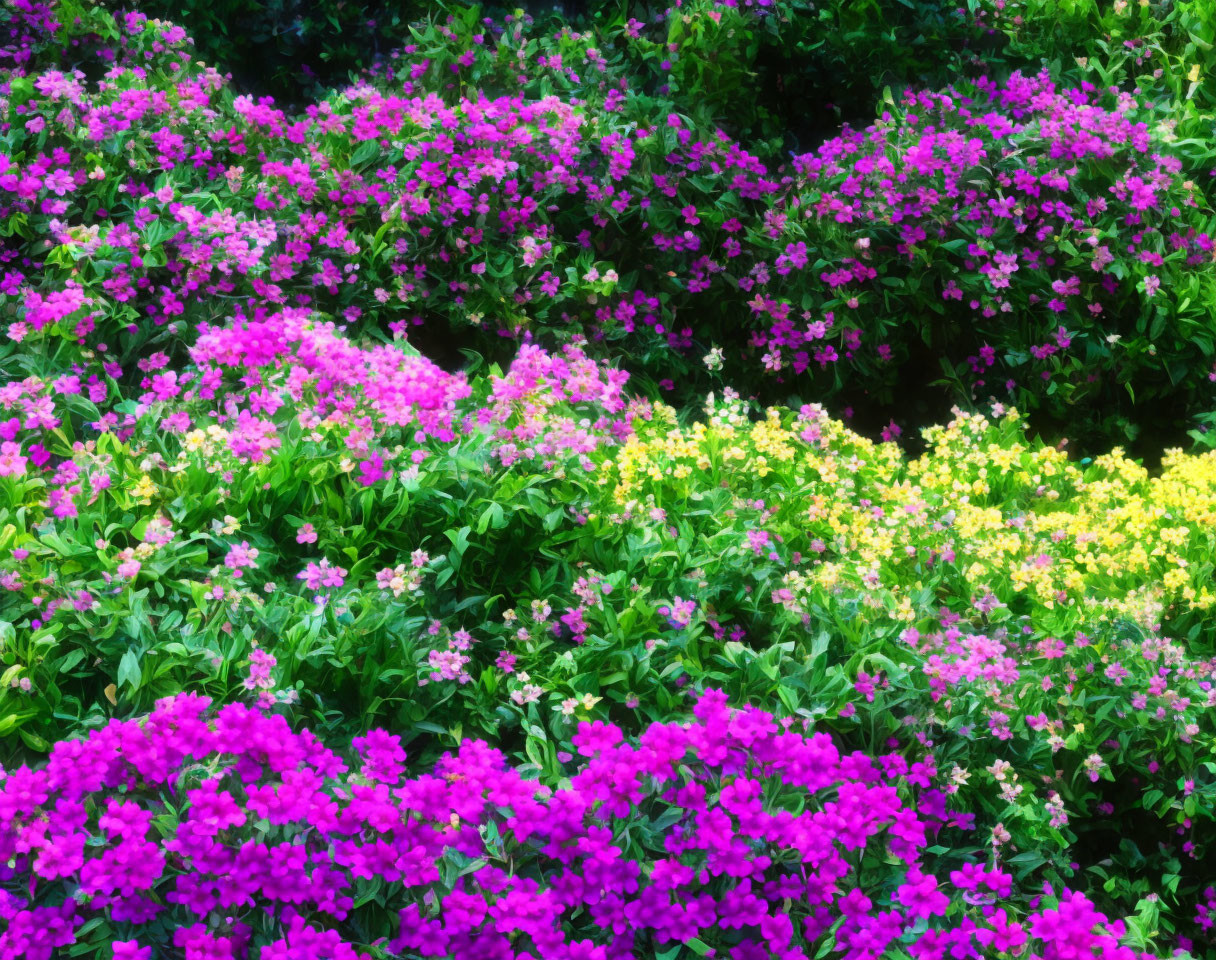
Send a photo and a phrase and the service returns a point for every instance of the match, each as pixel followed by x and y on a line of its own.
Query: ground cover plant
pixel 509 493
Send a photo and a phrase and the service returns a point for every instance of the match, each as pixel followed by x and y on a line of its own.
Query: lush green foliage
pixel 515 399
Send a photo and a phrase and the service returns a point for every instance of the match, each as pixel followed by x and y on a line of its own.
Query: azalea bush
pixel 340 460
pixel 990 216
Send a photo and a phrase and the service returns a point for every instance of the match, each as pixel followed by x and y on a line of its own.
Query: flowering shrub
pixel 542 198
pixel 206 489
pixel 1130 43
pixel 729 535
pixel 211 835
pixel 1026 201
pixel 991 597
pixel 1098 538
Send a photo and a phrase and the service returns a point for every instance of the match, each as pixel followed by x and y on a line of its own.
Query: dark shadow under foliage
pixel 808 72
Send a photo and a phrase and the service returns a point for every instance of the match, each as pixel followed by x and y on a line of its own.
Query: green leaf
pixel 129 673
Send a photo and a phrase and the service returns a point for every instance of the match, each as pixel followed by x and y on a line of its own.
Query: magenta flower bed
pixel 212 834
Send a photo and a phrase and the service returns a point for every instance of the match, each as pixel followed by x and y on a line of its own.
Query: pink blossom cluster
pixel 1205 914
pixel 287 358
pixel 538 410
pixel 483 210
pixel 255 379
pixel 507 158
pixel 1007 186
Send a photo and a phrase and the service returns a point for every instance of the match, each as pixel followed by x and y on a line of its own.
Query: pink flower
pixel 59 182
pixel 12 464
pixel 317 575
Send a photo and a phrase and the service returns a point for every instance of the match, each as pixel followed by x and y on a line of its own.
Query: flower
pixel 1094 765
pixel 317 575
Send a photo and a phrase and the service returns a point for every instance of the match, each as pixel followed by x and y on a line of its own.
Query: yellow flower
pixel 1174 580
pixel 144 489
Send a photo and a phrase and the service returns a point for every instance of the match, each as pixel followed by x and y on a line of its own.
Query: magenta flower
pixel 318 575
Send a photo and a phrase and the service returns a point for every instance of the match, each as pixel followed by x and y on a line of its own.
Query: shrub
pixel 1032 226
pixel 615 219
pixel 150 544
pixel 211 835
pixel 991 596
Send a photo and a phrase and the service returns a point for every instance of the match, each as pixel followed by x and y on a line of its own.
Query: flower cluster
pixel 207 832
pixel 594 215
pixel 990 591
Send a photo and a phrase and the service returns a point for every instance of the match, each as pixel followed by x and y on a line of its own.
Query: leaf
pixel 70 661
pixel 364 152
pixel 1027 862
pixel 129 673
pixel 34 742
pixel 491 516
pixel 460 543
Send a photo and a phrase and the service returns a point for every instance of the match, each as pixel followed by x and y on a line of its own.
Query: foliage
pixel 348 419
